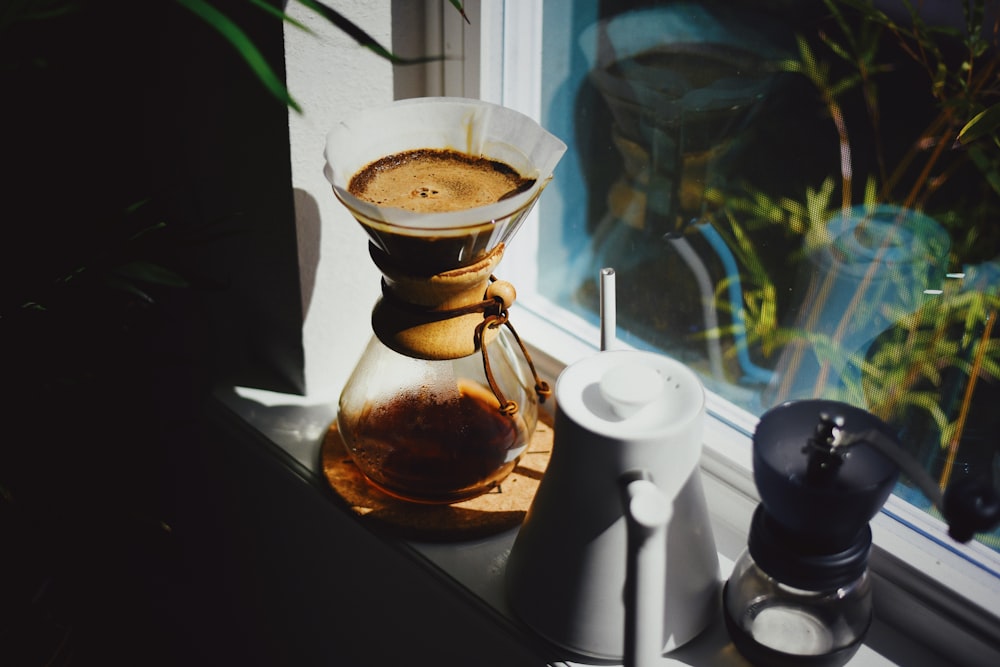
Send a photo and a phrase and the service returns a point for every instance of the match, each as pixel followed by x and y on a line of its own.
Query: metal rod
pixel 608 309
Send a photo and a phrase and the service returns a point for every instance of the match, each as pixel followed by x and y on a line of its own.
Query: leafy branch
pixel 939 349
pixel 235 35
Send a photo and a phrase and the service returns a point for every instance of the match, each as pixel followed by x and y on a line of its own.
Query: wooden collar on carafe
pixel 436 317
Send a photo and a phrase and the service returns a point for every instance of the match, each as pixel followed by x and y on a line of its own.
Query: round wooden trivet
pixel 493 512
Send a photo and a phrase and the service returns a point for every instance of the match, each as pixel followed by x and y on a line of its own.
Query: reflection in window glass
pixel 787 197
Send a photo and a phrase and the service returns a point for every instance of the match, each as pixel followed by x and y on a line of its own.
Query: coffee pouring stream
pixel 616 559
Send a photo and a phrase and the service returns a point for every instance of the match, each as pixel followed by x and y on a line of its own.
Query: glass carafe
pixel 433 431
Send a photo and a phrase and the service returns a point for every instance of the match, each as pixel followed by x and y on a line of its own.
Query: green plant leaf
pixel 457 4
pixel 156 226
pixel 243 44
pixel 18 11
pixel 360 36
pixel 984 123
pixel 151 273
pixel 274 11
pixel 127 286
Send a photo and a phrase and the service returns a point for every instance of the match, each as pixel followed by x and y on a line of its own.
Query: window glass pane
pixel 784 193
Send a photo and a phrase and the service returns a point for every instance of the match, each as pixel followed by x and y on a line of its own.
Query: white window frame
pixel 928 587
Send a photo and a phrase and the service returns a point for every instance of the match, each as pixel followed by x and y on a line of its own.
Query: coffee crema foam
pixel 428 180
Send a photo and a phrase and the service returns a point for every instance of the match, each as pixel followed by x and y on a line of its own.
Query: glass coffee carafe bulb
pixel 434 431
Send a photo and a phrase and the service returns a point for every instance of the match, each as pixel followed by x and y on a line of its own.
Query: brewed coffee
pixel 437 451
pixel 436 181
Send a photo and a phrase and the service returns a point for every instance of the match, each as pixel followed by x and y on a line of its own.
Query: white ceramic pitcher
pixel 616 558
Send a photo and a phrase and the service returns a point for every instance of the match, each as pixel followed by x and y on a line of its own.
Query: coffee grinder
pixel 800 593
pixel 444 400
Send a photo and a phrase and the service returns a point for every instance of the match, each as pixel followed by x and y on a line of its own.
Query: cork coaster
pixel 493 512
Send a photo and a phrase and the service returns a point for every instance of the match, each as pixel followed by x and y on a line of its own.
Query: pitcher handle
pixel 647 512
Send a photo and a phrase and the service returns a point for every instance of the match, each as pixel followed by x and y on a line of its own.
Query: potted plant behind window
pixel 928 361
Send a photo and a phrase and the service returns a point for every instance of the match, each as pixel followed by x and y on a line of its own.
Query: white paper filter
pixel 465 125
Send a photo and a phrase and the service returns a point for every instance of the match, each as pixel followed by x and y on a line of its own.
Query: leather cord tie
pixel 499 297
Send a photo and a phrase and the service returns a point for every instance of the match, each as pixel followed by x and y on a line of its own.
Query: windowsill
pixel 956 623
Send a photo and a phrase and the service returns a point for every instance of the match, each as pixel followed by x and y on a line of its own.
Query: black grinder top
pixel 819 485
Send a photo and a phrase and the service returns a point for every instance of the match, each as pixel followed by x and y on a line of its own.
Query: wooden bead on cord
pixel 503 290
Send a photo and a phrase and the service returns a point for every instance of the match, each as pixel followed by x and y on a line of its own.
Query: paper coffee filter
pixel 469 126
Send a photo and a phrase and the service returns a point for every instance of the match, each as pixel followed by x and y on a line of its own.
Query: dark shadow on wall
pixel 120 103
pixel 106 375
pixel 309 232
pixel 230 162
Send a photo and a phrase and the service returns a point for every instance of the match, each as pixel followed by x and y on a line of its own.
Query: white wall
pixel 331 77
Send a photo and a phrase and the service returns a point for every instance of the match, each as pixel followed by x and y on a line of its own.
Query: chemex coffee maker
pixel 444 399
pixel 800 593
